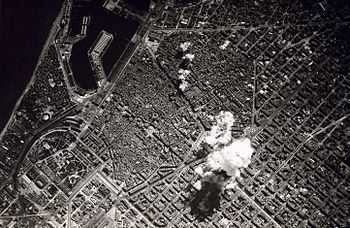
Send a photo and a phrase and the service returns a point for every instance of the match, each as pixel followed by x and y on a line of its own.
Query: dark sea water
pixel 140 5
pixel 24 27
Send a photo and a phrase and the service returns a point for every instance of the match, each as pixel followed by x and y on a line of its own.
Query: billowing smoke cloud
pixel 230 158
pixel 226 156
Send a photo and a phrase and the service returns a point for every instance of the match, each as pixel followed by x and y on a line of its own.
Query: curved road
pixel 35 135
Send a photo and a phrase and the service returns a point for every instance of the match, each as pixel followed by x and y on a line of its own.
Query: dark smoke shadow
pixel 204 202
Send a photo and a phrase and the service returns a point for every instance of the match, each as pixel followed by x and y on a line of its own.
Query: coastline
pixel 51 34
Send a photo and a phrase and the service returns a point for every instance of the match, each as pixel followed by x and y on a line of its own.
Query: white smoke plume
pixel 183 74
pixel 189 56
pixel 231 157
pixel 183 85
pixel 185 45
pixel 224 45
pixel 220 134
pixel 228 154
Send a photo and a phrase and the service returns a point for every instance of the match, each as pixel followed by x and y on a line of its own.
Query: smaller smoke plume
pixel 185 45
pixel 183 74
pixel 220 134
pixel 189 56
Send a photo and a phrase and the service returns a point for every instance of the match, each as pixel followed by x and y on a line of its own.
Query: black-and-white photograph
pixel 175 114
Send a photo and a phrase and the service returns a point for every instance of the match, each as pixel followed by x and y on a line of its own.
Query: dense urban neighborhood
pixel 174 113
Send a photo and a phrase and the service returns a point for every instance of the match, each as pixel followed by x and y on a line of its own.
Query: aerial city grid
pixel 183 113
